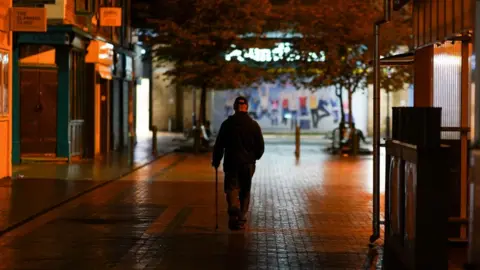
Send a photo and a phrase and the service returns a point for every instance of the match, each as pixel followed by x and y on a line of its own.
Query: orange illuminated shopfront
pixel 5 92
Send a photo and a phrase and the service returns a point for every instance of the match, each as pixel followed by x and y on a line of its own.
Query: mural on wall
pixel 280 107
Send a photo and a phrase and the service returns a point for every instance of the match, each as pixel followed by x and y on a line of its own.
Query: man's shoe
pixel 233 223
pixel 242 223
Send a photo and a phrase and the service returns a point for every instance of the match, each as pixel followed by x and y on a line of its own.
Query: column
pixel 62 58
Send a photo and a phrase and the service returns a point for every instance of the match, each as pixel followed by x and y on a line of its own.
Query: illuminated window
pixel 4 84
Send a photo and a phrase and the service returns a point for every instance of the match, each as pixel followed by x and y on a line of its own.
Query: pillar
pixel 15 103
pixel 423 77
pixel 62 58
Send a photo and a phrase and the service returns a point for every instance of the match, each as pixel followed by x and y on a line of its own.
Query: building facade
pixel 5 91
pixel 72 84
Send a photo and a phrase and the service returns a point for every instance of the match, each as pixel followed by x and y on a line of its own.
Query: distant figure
pixel 274 113
pixel 264 98
pixel 285 108
pixel 314 109
pixel 302 100
pixel 240 139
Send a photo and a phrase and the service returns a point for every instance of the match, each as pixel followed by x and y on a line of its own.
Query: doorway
pixel 142 109
pixel 38 111
pixel 104 116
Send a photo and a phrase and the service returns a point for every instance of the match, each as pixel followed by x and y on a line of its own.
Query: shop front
pixel 5 94
pixel 121 83
pixel 49 94
pixel 99 77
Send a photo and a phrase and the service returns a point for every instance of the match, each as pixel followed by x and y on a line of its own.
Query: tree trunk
pixel 203 105
pixel 341 125
pixel 350 111
pixel 353 131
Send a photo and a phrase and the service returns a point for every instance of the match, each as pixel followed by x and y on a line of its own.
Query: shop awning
pixel 403 59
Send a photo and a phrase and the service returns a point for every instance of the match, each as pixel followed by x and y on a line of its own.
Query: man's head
pixel 241 104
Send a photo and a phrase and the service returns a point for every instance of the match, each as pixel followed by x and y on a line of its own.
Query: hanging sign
pixel 110 16
pixel 24 19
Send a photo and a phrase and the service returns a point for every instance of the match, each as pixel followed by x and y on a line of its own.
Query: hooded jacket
pixel 240 139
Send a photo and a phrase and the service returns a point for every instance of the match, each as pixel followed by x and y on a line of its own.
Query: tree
pixel 342 31
pixel 195 35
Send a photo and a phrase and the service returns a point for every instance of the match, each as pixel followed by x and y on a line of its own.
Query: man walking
pixel 241 139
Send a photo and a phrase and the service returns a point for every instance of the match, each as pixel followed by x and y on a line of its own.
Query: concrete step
pixel 43 159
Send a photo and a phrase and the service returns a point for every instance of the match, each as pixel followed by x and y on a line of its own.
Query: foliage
pixel 343 31
pixel 195 35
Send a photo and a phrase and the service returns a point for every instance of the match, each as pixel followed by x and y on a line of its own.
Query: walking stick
pixel 216 199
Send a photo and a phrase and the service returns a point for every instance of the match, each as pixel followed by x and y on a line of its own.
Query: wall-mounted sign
pixel 24 19
pixel 4 16
pixel 110 16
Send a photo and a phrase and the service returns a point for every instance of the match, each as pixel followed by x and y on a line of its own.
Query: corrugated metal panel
pixel 458 16
pixel 447 85
pixel 441 19
pixel 469 6
pixel 434 17
pixel 415 26
pixel 421 23
pixel 449 17
pixel 428 22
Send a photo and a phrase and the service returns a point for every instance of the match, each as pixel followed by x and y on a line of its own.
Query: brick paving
pixel 314 213
pixel 36 188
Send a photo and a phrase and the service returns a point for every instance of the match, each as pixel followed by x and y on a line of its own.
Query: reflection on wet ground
pixel 312 215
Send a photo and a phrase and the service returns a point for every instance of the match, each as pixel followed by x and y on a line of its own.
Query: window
pixel 77 86
pixel 4 84
pixel 83 6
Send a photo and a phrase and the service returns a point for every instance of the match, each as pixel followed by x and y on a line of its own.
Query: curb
pixel 79 194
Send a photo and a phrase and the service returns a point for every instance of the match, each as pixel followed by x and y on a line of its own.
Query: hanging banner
pixel 24 19
pixel 111 16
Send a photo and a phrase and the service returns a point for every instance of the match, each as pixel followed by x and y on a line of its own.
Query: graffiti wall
pixel 279 107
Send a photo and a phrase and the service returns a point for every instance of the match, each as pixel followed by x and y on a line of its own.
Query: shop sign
pixel 4 16
pixel 111 16
pixel 24 19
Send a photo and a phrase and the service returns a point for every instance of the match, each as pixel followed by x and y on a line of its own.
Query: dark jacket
pixel 241 139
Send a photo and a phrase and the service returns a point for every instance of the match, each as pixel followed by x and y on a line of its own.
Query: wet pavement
pixel 310 214
pixel 36 188
pixel 114 165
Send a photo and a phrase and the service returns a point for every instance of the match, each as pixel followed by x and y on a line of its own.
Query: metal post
pixel 476 71
pixel 194 108
pixel 388 116
pixel 297 141
pixel 154 140
pixel 376 138
pixel 474 223
pixel 376 122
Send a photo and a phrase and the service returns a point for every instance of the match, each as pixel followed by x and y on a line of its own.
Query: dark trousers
pixel 237 186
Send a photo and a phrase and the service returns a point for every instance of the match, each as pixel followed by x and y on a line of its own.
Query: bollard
pixel 297 141
pixel 154 140
pixel 355 142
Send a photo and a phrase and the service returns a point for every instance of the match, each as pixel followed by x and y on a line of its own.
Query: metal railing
pixel 76 137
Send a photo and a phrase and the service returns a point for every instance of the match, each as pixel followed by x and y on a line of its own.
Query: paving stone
pixel 314 213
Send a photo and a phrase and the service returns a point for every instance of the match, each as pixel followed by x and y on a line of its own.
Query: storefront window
pixel 3 100
pixel 5 82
